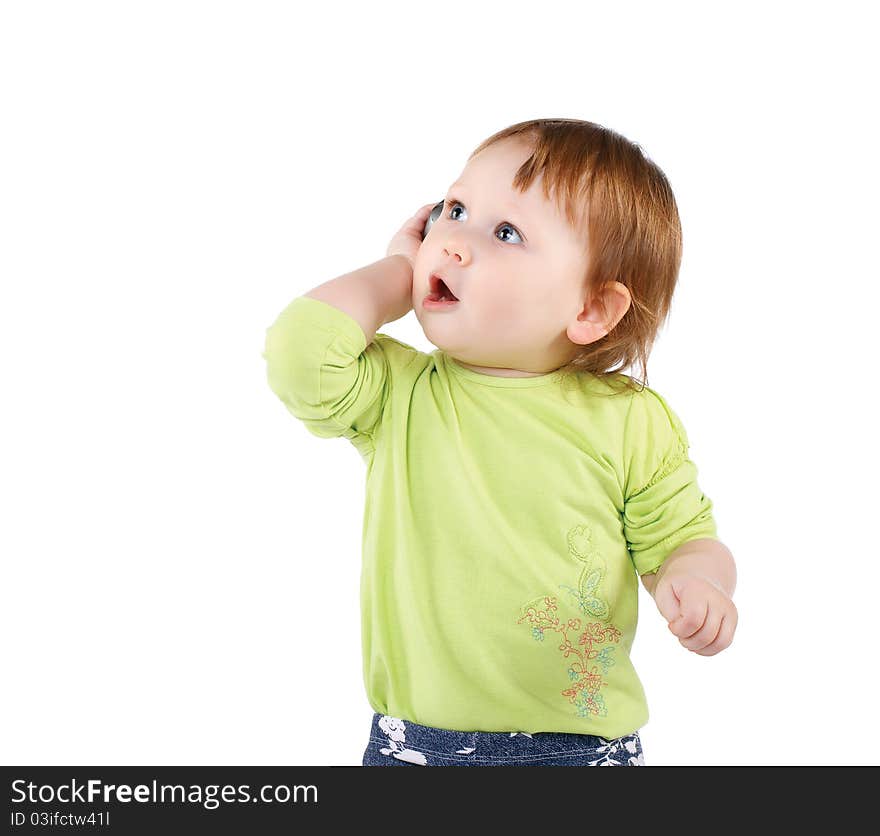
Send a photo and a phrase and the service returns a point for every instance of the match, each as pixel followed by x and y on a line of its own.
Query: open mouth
pixel 439 291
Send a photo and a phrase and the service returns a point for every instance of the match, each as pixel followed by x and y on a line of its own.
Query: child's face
pixel 514 263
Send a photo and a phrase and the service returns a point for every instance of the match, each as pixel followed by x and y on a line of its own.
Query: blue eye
pixel 451 204
pixel 508 226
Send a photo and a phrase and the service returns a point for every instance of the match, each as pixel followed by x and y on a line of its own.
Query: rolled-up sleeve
pixel 319 365
pixel 664 504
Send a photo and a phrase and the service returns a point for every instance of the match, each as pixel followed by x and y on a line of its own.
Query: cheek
pixel 419 261
pixel 504 308
pixel 526 293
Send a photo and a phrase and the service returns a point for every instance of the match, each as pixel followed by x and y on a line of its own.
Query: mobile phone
pixel 435 213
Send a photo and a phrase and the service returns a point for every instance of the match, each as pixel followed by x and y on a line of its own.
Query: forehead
pixel 488 178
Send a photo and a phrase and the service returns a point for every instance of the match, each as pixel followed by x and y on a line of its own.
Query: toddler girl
pixel 518 483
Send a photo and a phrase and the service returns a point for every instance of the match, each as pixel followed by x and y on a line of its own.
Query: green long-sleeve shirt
pixel 506 522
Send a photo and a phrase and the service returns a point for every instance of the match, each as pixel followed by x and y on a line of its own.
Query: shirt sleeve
pixel 664 505
pixel 319 364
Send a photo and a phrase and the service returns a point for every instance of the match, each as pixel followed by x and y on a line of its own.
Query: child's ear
pixel 600 314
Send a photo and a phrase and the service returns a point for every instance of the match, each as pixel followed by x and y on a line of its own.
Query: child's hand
pixel 408 238
pixel 699 613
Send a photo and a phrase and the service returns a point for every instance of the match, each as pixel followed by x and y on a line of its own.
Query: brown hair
pixel 608 187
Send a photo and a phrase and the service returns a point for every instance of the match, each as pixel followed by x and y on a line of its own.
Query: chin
pixel 432 336
pixel 428 331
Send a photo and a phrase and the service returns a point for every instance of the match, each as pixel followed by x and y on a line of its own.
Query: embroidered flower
pixel 580 542
pixel 541 614
pixel 604 658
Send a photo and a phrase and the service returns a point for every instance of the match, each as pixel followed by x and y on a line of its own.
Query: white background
pixel 181 558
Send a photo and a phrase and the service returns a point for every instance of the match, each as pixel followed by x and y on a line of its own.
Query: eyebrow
pixel 461 187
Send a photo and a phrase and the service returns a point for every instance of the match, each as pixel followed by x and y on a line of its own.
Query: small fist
pixel 701 615
pixel 408 239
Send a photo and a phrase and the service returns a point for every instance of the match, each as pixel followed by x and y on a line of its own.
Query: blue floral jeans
pixel 395 742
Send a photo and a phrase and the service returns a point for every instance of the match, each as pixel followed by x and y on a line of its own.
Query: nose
pixel 457 251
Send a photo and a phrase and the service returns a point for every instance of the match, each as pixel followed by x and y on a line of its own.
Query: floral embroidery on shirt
pixel 586 678
pixel 583 673
pixel 581 547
